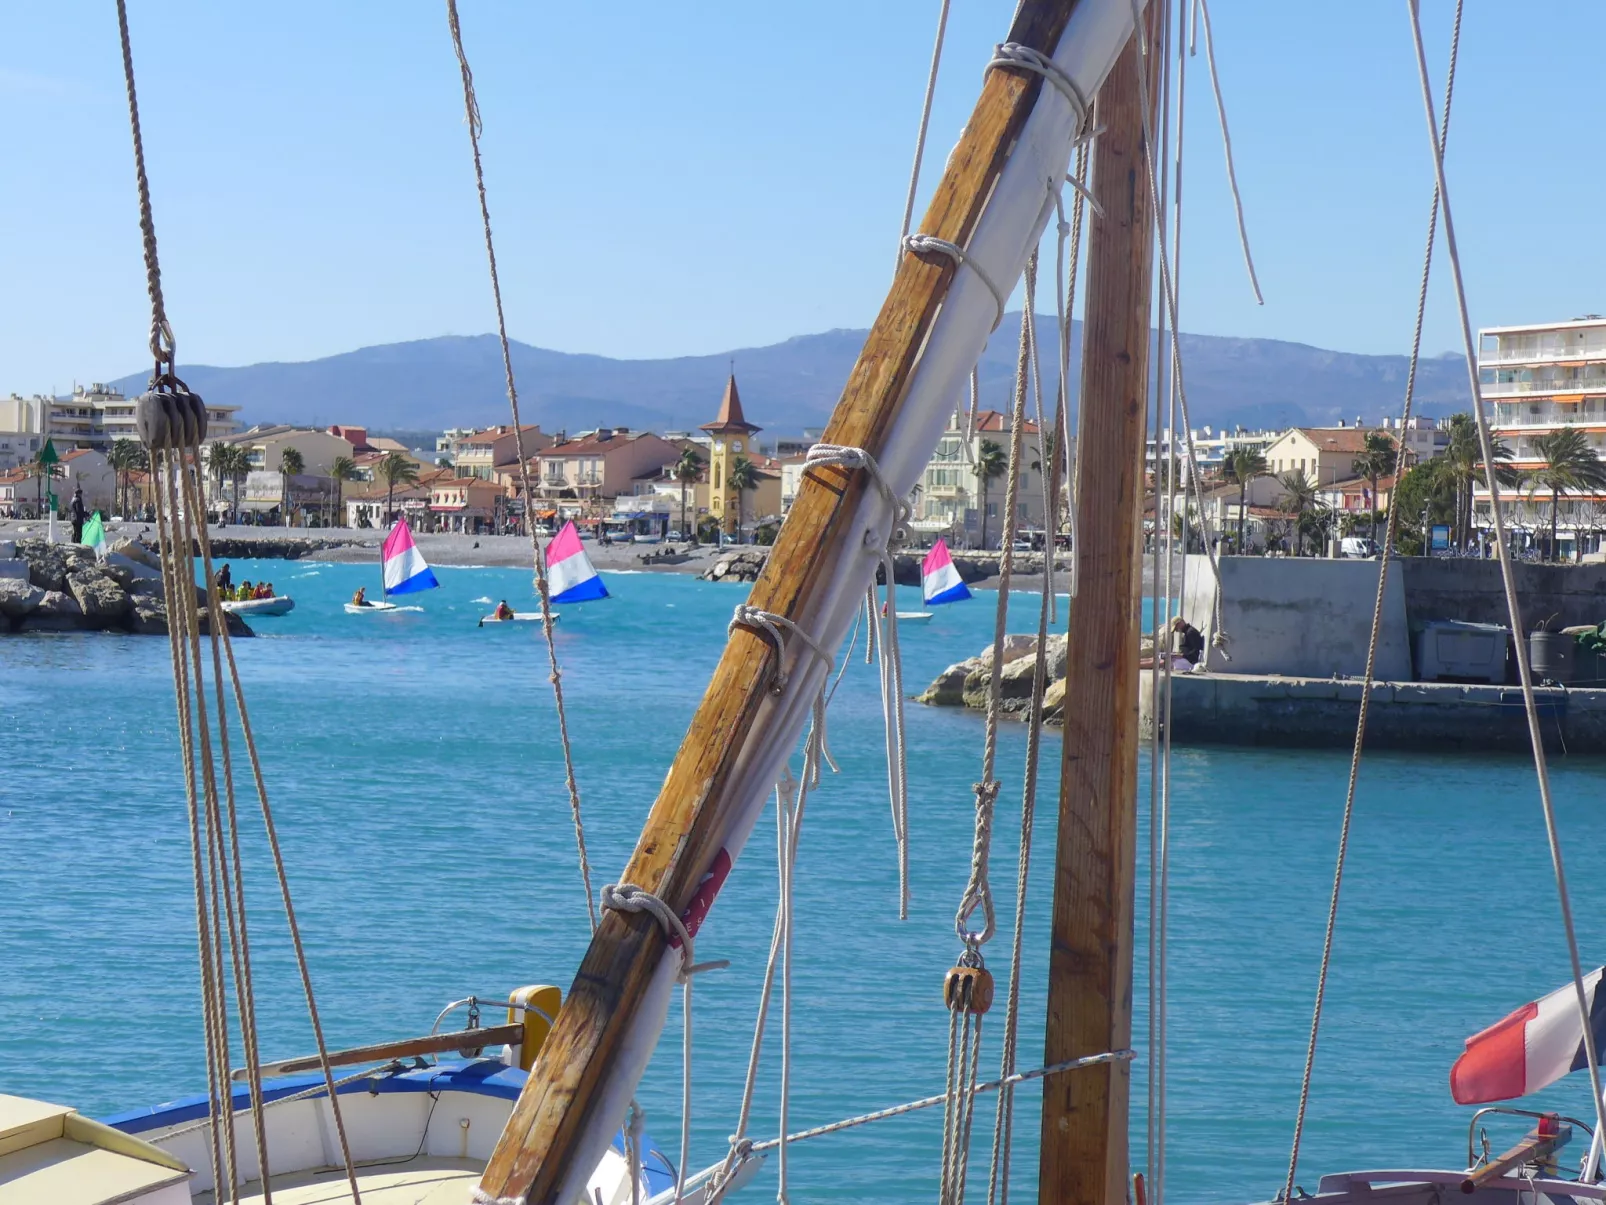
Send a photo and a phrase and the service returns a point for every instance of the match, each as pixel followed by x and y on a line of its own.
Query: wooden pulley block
pixel 968 989
pixel 152 422
pixel 170 416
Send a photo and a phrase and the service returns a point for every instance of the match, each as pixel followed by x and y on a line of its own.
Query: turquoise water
pixel 413 766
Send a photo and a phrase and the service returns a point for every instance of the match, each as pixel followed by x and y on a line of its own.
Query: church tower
pixel 732 438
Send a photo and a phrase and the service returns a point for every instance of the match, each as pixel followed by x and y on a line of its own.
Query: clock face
pixel 719 445
pixel 736 445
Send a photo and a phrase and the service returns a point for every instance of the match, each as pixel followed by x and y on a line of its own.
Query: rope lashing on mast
pixel 1028 58
pixel 471 107
pixel 627 897
pixel 922 245
pixel 881 543
pixel 925 124
pixel 1373 641
pixel 172 423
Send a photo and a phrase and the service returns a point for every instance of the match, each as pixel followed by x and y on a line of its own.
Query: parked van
pixel 1358 547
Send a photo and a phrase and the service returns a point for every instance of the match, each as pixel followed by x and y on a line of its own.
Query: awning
pixel 1567 399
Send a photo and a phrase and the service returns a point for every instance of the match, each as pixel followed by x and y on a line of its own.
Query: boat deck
pixel 420 1181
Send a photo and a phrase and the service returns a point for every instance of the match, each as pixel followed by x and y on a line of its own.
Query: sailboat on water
pixel 571 578
pixel 403 570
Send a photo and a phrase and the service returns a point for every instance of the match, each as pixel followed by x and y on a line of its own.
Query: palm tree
pixel 1298 503
pixel 743 476
pixel 1463 458
pixel 237 467
pixel 342 469
pixel 991 464
pixel 291 464
pixel 126 456
pixel 1570 464
pixel 395 469
pixel 1377 459
pixel 1243 465
pixel 688 470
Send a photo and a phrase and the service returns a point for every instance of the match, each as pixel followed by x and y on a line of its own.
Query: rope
pixel 1226 143
pixel 822 455
pixel 627 897
pixel 1027 58
pixel 1376 630
pixel 1508 580
pixel 471 109
pixel 930 244
pixel 162 344
pixel 1021 1077
pixel 925 122
pixel 1065 304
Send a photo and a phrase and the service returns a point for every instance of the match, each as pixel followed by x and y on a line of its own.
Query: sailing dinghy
pixel 939 581
pixel 571 577
pixel 404 568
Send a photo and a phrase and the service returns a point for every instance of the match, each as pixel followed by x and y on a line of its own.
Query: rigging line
pixel 1377 624
pixel 1159 1053
pixel 1003 1124
pixel 471 108
pixel 925 122
pixel 162 343
pixel 1161 484
pixel 1168 288
pixel 1226 142
pixel 1066 285
pixel 1508 577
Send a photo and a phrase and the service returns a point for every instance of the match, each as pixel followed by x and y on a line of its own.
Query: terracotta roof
pixel 731 420
pixel 997 420
pixel 1340 439
pixel 76 452
pixel 595 445
pixel 1353 484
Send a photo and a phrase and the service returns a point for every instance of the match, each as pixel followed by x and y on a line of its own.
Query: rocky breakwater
pixel 66 589
pixel 738 565
pixel 290 547
pixel 966 683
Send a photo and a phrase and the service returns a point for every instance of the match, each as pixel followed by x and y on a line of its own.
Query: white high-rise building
pixel 95 416
pixel 1536 380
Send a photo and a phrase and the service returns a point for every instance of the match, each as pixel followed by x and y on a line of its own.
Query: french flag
pixel 940 578
pixel 570 575
pixel 1532 1048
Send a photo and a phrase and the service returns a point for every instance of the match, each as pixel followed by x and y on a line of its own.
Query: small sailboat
pixel 404 568
pixel 571 577
pixel 940 583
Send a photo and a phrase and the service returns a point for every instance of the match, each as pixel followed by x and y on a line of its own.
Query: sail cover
pixel 405 570
pixel 1532 1048
pixel 941 578
pixel 570 574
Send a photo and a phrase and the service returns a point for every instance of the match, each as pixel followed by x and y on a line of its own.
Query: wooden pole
pixel 677 847
pixel 1083 1158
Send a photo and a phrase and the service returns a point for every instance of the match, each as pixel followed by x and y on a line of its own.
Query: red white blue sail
pixel 1532 1048
pixel 941 578
pixel 570 575
pixel 405 569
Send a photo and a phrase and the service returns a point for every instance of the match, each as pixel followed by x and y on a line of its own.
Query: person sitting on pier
pixel 1189 642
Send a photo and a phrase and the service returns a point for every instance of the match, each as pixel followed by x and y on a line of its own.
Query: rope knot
pixel 922 245
pixel 1027 58
pixel 627 897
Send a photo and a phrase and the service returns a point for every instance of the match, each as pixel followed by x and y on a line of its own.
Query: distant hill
pixel 457 381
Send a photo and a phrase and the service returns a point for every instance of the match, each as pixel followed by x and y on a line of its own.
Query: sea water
pixel 413 764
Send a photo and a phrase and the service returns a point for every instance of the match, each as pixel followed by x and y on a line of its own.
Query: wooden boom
pixel 435 1043
pixel 534 1157
pixel 1083 1158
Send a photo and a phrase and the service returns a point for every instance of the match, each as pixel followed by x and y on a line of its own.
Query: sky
pixel 693 178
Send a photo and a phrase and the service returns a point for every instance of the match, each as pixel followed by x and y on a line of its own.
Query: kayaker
pixel 360 599
pixel 503 611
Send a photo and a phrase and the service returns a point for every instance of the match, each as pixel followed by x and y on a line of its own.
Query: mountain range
pixel 455 381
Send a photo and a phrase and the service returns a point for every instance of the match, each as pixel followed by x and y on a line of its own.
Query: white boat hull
pixel 279 604
pixel 517 617
pixel 376 608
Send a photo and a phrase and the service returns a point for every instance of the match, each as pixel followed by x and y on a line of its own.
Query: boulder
pixel 47 564
pixel 1054 702
pixel 135 551
pixel 146 588
pixel 8 550
pixel 125 570
pixel 949 688
pixel 19 598
pixel 59 605
pixel 102 600
pixel 149 617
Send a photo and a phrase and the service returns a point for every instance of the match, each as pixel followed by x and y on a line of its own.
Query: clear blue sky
pixel 690 178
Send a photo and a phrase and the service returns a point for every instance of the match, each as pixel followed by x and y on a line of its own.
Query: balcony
pixel 1572 416
pixel 1551 385
pixel 1548 348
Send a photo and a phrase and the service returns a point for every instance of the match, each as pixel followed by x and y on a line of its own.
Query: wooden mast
pixel 1083 1158
pixel 535 1154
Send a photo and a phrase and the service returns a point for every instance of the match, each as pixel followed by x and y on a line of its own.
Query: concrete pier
pixel 1249 709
